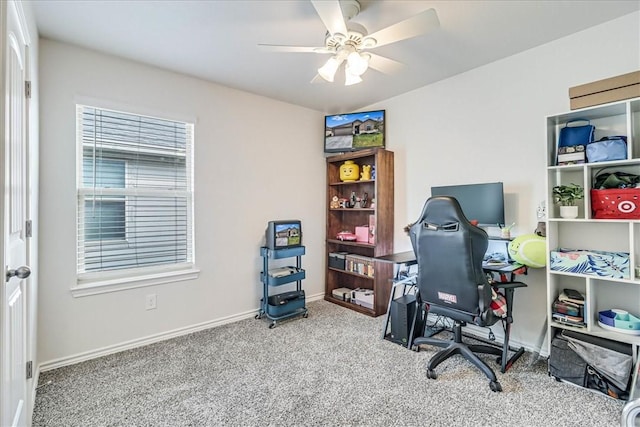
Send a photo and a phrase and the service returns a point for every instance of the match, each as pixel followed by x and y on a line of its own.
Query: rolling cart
pixel 281 305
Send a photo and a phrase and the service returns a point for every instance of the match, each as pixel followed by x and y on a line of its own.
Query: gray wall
pixel 481 126
pixel 244 177
pixel 489 125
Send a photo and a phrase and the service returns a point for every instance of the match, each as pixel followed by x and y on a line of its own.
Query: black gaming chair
pixel 451 282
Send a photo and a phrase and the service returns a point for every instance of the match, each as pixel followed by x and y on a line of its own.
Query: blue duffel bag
pixel 608 148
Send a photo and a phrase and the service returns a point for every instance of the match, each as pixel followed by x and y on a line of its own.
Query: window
pixel 135 194
pixel 104 218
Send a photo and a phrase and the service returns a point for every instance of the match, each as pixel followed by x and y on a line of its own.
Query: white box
pixel 363 297
pixel 343 294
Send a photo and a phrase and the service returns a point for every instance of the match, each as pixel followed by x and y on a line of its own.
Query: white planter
pixel 569 211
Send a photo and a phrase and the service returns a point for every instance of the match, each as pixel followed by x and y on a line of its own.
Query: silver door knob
pixel 20 272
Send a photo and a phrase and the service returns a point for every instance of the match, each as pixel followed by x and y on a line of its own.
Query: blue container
pixel 285 309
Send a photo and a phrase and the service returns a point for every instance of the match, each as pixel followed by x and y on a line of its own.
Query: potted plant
pixel 566 196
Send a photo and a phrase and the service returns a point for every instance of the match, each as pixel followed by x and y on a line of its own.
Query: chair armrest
pixel 509 285
pixel 509 288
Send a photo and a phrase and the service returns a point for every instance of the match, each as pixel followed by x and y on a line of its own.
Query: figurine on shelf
pixel 353 200
pixel 373 203
pixel 346 236
pixel 373 172
pixel 349 171
pixel 364 201
pixel 335 203
pixel 365 175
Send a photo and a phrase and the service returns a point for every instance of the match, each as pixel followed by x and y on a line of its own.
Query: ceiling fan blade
pixel 411 27
pixel 331 15
pixel 318 79
pixel 293 49
pixel 384 64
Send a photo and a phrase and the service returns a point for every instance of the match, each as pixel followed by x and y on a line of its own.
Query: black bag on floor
pixel 565 364
pixel 597 381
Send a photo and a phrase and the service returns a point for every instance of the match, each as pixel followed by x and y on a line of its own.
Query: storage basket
pixel 616 203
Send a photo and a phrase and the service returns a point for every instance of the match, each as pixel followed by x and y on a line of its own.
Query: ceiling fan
pixel 347 41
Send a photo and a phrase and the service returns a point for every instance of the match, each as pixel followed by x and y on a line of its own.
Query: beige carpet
pixel 331 369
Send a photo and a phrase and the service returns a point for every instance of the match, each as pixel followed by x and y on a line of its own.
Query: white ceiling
pixel 217 40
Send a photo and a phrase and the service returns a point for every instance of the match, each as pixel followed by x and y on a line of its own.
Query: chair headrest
pixel 443 210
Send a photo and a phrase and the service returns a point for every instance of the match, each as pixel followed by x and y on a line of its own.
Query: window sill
pixel 95 287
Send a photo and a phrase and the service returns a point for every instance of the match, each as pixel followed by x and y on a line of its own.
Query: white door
pixel 13 158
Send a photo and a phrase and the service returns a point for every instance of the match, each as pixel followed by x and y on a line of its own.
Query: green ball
pixel 530 250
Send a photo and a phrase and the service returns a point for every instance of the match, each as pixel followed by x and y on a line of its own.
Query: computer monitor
pixel 481 202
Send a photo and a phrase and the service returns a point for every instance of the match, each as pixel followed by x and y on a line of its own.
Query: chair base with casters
pixel 457 346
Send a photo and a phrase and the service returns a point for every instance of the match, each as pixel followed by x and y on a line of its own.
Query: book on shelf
pixel 572 299
pixel 569 308
pixel 571 155
pixel 569 320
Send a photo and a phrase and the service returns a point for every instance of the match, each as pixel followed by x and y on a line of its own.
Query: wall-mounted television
pixel 481 202
pixel 284 234
pixel 354 131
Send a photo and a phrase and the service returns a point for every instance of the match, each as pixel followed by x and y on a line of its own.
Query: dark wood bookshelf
pixel 380 188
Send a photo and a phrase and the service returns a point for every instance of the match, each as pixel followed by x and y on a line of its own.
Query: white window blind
pixel 135 191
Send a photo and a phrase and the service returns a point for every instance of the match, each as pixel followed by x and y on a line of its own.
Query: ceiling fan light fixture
pixel 369 42
pixel 350 9
pixel 339 37
pixel 358 63
pixel 328 70
pixel 350 78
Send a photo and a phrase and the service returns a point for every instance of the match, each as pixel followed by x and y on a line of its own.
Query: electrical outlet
pixel 151 302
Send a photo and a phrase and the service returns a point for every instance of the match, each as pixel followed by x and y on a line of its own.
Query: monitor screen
pixel 481 202
pixel 354 131
pixel 284 234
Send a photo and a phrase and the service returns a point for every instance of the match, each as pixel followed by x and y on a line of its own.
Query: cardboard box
pixel 596 263
pixel 613 89
pixel 362 234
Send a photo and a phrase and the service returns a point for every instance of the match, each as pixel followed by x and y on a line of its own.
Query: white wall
pixel 256 159
pixel 488 125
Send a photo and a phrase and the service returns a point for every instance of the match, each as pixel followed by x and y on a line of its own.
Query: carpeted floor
pixel 331 369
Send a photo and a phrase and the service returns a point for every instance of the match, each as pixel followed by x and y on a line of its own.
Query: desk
pixel 408 258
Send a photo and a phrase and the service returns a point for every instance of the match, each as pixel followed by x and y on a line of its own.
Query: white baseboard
pixel 139 342
pixel 32 394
